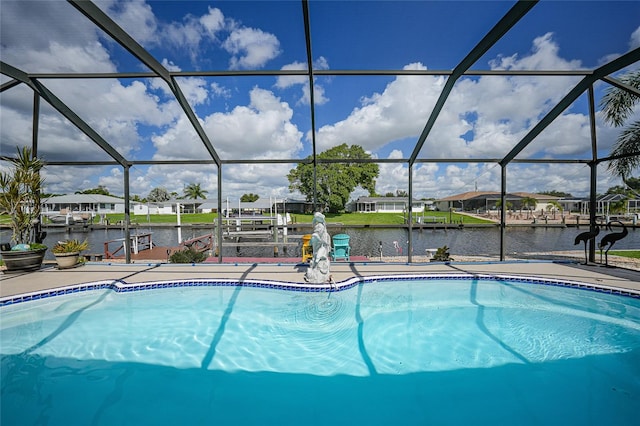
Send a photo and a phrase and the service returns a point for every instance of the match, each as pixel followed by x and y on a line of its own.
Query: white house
pixel 387 205
pixel 165 207
pixel 83 203
pixel 170 206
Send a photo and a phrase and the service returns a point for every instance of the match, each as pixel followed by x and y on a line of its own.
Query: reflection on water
pixel 366 242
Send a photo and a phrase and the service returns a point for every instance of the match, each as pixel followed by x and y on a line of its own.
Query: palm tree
pixel 554 206
pixel 529 202
pixel 508 205
pixel 617 105
pixel 618 207
pixel 249 198
pixel 193 191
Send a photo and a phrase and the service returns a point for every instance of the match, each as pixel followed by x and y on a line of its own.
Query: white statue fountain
pixel 318 271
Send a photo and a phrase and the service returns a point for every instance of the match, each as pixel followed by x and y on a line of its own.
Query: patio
pixel 48 278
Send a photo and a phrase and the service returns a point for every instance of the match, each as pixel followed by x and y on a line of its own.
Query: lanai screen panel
pixel 215 36
pixel 383 114
pixel 370 31
pixel 53 37
pixel 265 180
pixel 567 36
pixel 485 116
pixel 247 117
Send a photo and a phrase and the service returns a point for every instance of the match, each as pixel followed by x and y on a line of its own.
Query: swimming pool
pixel 400 350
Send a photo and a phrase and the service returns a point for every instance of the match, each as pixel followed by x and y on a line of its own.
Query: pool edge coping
pixel 120 286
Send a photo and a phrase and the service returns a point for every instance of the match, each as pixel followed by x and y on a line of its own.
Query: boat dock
pixel 143 247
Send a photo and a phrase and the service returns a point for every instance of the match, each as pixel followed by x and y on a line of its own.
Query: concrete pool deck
pixel 49 277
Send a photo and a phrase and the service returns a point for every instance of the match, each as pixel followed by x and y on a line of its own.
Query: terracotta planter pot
pixel 23 261
pixel 67 260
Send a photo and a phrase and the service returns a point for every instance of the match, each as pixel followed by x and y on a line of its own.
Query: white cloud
pixel 179 141
pixel 194 89
pixel 571 178
pixel 284 82
pixel 483 117
pixel 186 34
pixel 170 66
pixel 266 180
pixel 112 107
pixel 213 21
pixel 251 48
pixel 220 91
pixel 634 42
pixel 398 112
pixel 35 40
pixel 441 180
pixel 113 181
pixel 115 110
pixel 32 26
pixel 137 18
pixel 544 56
pixel 173 178
pixel 263 129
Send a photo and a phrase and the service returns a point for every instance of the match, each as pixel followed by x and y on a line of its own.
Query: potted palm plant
pixel 20 190
pixel 67 252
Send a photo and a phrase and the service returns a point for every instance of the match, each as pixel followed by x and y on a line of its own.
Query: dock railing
pixel 201 243
pixel 142 241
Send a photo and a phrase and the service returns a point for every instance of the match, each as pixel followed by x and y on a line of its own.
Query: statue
pixel 318 271
pixel 585 237
pixel 610 239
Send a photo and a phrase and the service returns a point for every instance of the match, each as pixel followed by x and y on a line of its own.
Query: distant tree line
pixel 335 183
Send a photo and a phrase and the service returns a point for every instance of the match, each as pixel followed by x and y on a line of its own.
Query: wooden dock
pixel 143 247
pixel 148 251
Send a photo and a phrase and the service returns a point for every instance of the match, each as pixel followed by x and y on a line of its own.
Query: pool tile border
pixel 120 286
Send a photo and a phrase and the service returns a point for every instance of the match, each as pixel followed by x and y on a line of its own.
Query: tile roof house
pixel 486 200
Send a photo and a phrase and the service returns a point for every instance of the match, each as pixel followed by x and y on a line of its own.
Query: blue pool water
pixel 432 351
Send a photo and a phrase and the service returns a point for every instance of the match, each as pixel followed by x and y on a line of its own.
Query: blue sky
pixel 268 117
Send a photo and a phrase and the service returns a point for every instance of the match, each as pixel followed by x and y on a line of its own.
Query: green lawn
pixel 634 254
pixel 185 218
pixel 384 218
pixel 345 218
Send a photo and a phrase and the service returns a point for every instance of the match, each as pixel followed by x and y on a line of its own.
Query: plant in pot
pixel 20 190
pixel 67 252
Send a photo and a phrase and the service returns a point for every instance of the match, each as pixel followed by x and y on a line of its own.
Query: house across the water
pixel 388 205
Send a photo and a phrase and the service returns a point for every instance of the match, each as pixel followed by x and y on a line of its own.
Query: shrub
pixel 188 255
pixel 442 255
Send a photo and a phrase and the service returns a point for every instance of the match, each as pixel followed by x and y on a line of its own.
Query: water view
pixel 368 242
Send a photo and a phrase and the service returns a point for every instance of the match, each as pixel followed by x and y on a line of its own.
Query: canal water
pixel 367 242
